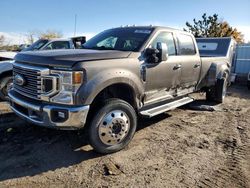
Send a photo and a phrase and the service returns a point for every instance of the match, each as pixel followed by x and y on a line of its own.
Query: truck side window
pixel 58 45
pixel 186 45
pixel 165 37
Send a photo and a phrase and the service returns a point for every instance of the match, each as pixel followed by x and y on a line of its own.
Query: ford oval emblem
pixel 19 80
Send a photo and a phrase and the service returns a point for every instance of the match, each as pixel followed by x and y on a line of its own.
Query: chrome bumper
pixel 44 115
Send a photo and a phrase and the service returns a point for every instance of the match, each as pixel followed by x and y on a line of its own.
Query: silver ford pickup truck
pixel 121 73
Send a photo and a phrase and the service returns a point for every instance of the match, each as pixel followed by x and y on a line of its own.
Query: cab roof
pixel 154 28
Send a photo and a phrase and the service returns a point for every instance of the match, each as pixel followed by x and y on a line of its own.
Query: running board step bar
pixel 166 107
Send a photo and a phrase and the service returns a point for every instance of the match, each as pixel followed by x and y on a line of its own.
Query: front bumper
pixel 48 115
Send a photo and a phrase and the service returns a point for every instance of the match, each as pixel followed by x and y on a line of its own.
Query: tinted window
pixel 213 47
pixel 57 45
pixel 37 45
pixel 124 39
pixel 167 38
pixel 186 45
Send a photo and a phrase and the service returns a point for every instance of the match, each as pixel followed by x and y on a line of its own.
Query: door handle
pixel 197 65
pixel 176 67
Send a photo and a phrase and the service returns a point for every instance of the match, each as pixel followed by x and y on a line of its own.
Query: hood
pixel 67 58
pixel 8 55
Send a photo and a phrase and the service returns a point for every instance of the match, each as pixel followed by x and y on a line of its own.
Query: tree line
pixel 30 38
pixel 211 26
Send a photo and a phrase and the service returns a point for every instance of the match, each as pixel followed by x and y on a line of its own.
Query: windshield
pixel 37 45
pixel 123 39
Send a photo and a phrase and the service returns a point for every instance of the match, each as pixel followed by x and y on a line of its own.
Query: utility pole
pixel 75 25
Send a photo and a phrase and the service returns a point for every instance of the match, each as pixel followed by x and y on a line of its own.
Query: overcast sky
pixel 17 17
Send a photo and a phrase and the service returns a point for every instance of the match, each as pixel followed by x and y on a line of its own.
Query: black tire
pixel 5 84
pixel 217 93
pixel 106 124
pixel 210 94
pixel 221 88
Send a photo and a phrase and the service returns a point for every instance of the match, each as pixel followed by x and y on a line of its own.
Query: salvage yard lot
pixel 181 148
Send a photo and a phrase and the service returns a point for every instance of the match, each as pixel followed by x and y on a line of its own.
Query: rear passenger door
pixel 189 60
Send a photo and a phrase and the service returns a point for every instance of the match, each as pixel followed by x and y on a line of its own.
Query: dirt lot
pixel 182 148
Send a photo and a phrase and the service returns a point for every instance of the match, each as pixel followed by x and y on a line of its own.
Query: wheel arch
pixel 223 71
pixel 128 88
pixel 6 73
pixel 120 90
pixel 6 69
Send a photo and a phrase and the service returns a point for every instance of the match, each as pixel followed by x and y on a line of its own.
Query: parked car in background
pixel 121 73
pixel 5 78
pixel 6 60
pixel 23 46
pixel 5 55
pixel 42 44
pixel 53 44
pixel 248 81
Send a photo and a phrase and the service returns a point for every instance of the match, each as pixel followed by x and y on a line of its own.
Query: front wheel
pixel 113 126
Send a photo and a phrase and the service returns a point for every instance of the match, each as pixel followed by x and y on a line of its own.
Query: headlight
pixel 70 78
pixel 69 83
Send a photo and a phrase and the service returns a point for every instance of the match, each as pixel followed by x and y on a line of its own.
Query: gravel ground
pixel 181 148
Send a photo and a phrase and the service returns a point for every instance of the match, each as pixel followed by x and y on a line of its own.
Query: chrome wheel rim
pixel 114 127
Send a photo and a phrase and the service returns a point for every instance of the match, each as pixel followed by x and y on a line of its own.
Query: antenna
pixel 75 25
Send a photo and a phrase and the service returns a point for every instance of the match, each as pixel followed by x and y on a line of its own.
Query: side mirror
pixel 157 55
pixel 151 55
pixel 163 51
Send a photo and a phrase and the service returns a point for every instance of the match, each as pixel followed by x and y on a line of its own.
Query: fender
pixel 87 93
pixel 222 69
pixel 215 72
pixel 6 66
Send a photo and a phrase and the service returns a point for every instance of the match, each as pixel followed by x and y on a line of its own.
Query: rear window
pixel 186 45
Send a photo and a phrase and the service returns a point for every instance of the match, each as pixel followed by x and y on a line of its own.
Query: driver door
pixel 162 79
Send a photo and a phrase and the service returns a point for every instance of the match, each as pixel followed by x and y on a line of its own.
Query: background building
pixel 242 62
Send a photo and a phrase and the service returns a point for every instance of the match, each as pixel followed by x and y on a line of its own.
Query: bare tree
pixel 50 34
pixel 2 40
pixel 31 36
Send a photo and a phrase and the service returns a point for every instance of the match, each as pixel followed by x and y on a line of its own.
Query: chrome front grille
pixel 31 87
